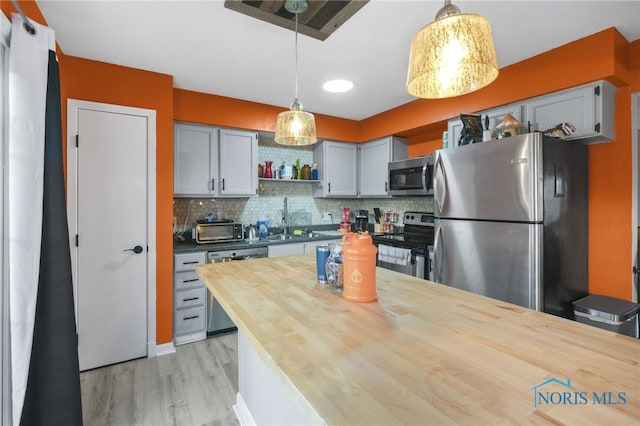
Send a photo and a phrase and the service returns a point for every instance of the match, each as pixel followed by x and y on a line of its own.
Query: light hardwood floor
pixel 195 386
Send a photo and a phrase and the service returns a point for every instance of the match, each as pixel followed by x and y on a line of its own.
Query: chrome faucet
pixel 285 214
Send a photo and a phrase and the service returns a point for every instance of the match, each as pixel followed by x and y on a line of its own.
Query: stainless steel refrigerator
pixel 512 221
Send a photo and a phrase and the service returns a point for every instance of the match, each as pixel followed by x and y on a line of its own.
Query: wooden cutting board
pixel 425 353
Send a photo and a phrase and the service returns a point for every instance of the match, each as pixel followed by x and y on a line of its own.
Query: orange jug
pixel 359 265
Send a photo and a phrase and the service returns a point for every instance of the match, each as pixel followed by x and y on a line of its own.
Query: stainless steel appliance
pixel 362 220
pixel 416 237
pixel 511 221
pixel 412 176
pixel 217 319
pixel 217 231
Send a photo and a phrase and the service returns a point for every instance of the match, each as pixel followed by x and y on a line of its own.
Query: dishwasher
pixel 217 319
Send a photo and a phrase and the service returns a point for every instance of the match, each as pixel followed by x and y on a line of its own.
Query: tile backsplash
pixel 299 194
pixel 270 202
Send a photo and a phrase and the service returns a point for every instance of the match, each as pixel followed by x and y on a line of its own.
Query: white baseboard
pixel 242 412
pixel 165 349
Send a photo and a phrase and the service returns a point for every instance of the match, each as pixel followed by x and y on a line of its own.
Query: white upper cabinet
pixel 212 162
pixel 496 115
pixel 373 160
pixel 195 160
pixel 590 108
pixel 238 163
pixel 337 167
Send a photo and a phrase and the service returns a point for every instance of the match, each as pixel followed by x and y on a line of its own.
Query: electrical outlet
pixel 326 216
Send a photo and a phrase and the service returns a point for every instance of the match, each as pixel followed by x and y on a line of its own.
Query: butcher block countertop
pixel 425 353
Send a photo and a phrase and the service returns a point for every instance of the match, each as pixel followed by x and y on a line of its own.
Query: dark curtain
pixel 53 384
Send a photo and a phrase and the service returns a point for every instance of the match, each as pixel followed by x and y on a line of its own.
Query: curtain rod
pixel 27 25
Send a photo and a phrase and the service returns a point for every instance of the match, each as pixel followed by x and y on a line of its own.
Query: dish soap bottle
pixel 263 226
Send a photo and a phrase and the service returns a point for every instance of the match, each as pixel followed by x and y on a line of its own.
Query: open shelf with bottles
pixel 288 180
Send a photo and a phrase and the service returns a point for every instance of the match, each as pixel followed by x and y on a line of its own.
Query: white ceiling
pixel 211 49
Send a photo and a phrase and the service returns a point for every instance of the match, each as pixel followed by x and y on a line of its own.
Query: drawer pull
pixel 191 280
pixel 195 262
pixel 190 318
pixel 190 299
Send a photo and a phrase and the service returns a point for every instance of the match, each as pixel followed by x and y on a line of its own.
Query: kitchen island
pixel 423 353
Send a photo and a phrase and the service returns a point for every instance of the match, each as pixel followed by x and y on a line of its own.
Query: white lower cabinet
pixel 310 247
pixel 190 299
pixel 297 248
pixel 286 249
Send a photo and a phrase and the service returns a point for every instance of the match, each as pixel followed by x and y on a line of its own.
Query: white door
pixel 111 256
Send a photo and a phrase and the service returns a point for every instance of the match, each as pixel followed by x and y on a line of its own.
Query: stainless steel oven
pixel 217 319
pixel 408 252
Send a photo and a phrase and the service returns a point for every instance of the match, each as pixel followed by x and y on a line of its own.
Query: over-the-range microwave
pixel 413 176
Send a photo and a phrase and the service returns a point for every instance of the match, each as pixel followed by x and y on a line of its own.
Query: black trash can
pixel 608 313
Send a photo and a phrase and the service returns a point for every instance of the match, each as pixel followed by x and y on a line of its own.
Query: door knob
pixel 136 249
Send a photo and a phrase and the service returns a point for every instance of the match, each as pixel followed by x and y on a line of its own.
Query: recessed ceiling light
pixel 337 86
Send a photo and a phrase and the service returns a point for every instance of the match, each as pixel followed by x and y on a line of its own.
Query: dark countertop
pixel 191 246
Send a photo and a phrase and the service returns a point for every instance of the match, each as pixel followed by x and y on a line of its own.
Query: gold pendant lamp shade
pixel 452 56
pixel 296 127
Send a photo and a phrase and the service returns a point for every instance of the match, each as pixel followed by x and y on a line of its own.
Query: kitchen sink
pixel 307 236
pixel 279 237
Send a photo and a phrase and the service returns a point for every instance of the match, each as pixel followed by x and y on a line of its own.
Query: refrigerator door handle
pixel 437 257
pixel 439 180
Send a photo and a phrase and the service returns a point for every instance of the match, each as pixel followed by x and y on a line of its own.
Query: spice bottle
pixel 306 172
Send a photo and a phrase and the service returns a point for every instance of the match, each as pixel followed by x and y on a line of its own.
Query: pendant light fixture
pixel 451 56
pixel 296 127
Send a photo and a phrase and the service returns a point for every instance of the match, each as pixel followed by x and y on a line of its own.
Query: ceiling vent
pixel 319 20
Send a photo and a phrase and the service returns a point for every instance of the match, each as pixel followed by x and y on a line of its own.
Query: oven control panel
pixel 418 218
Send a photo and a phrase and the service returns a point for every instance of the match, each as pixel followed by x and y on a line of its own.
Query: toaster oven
pixel 218 232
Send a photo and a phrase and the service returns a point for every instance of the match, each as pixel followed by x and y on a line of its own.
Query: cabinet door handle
pixel 189 299
pixel 386 187
pixel 213 184
pixel 190 318
pixel 329 187
pixel 223 184
pixel 191 280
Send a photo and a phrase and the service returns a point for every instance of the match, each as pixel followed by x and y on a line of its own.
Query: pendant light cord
pixel 296 45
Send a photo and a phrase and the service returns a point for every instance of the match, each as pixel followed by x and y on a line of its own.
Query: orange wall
pixel 100 82
pixel 222 111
